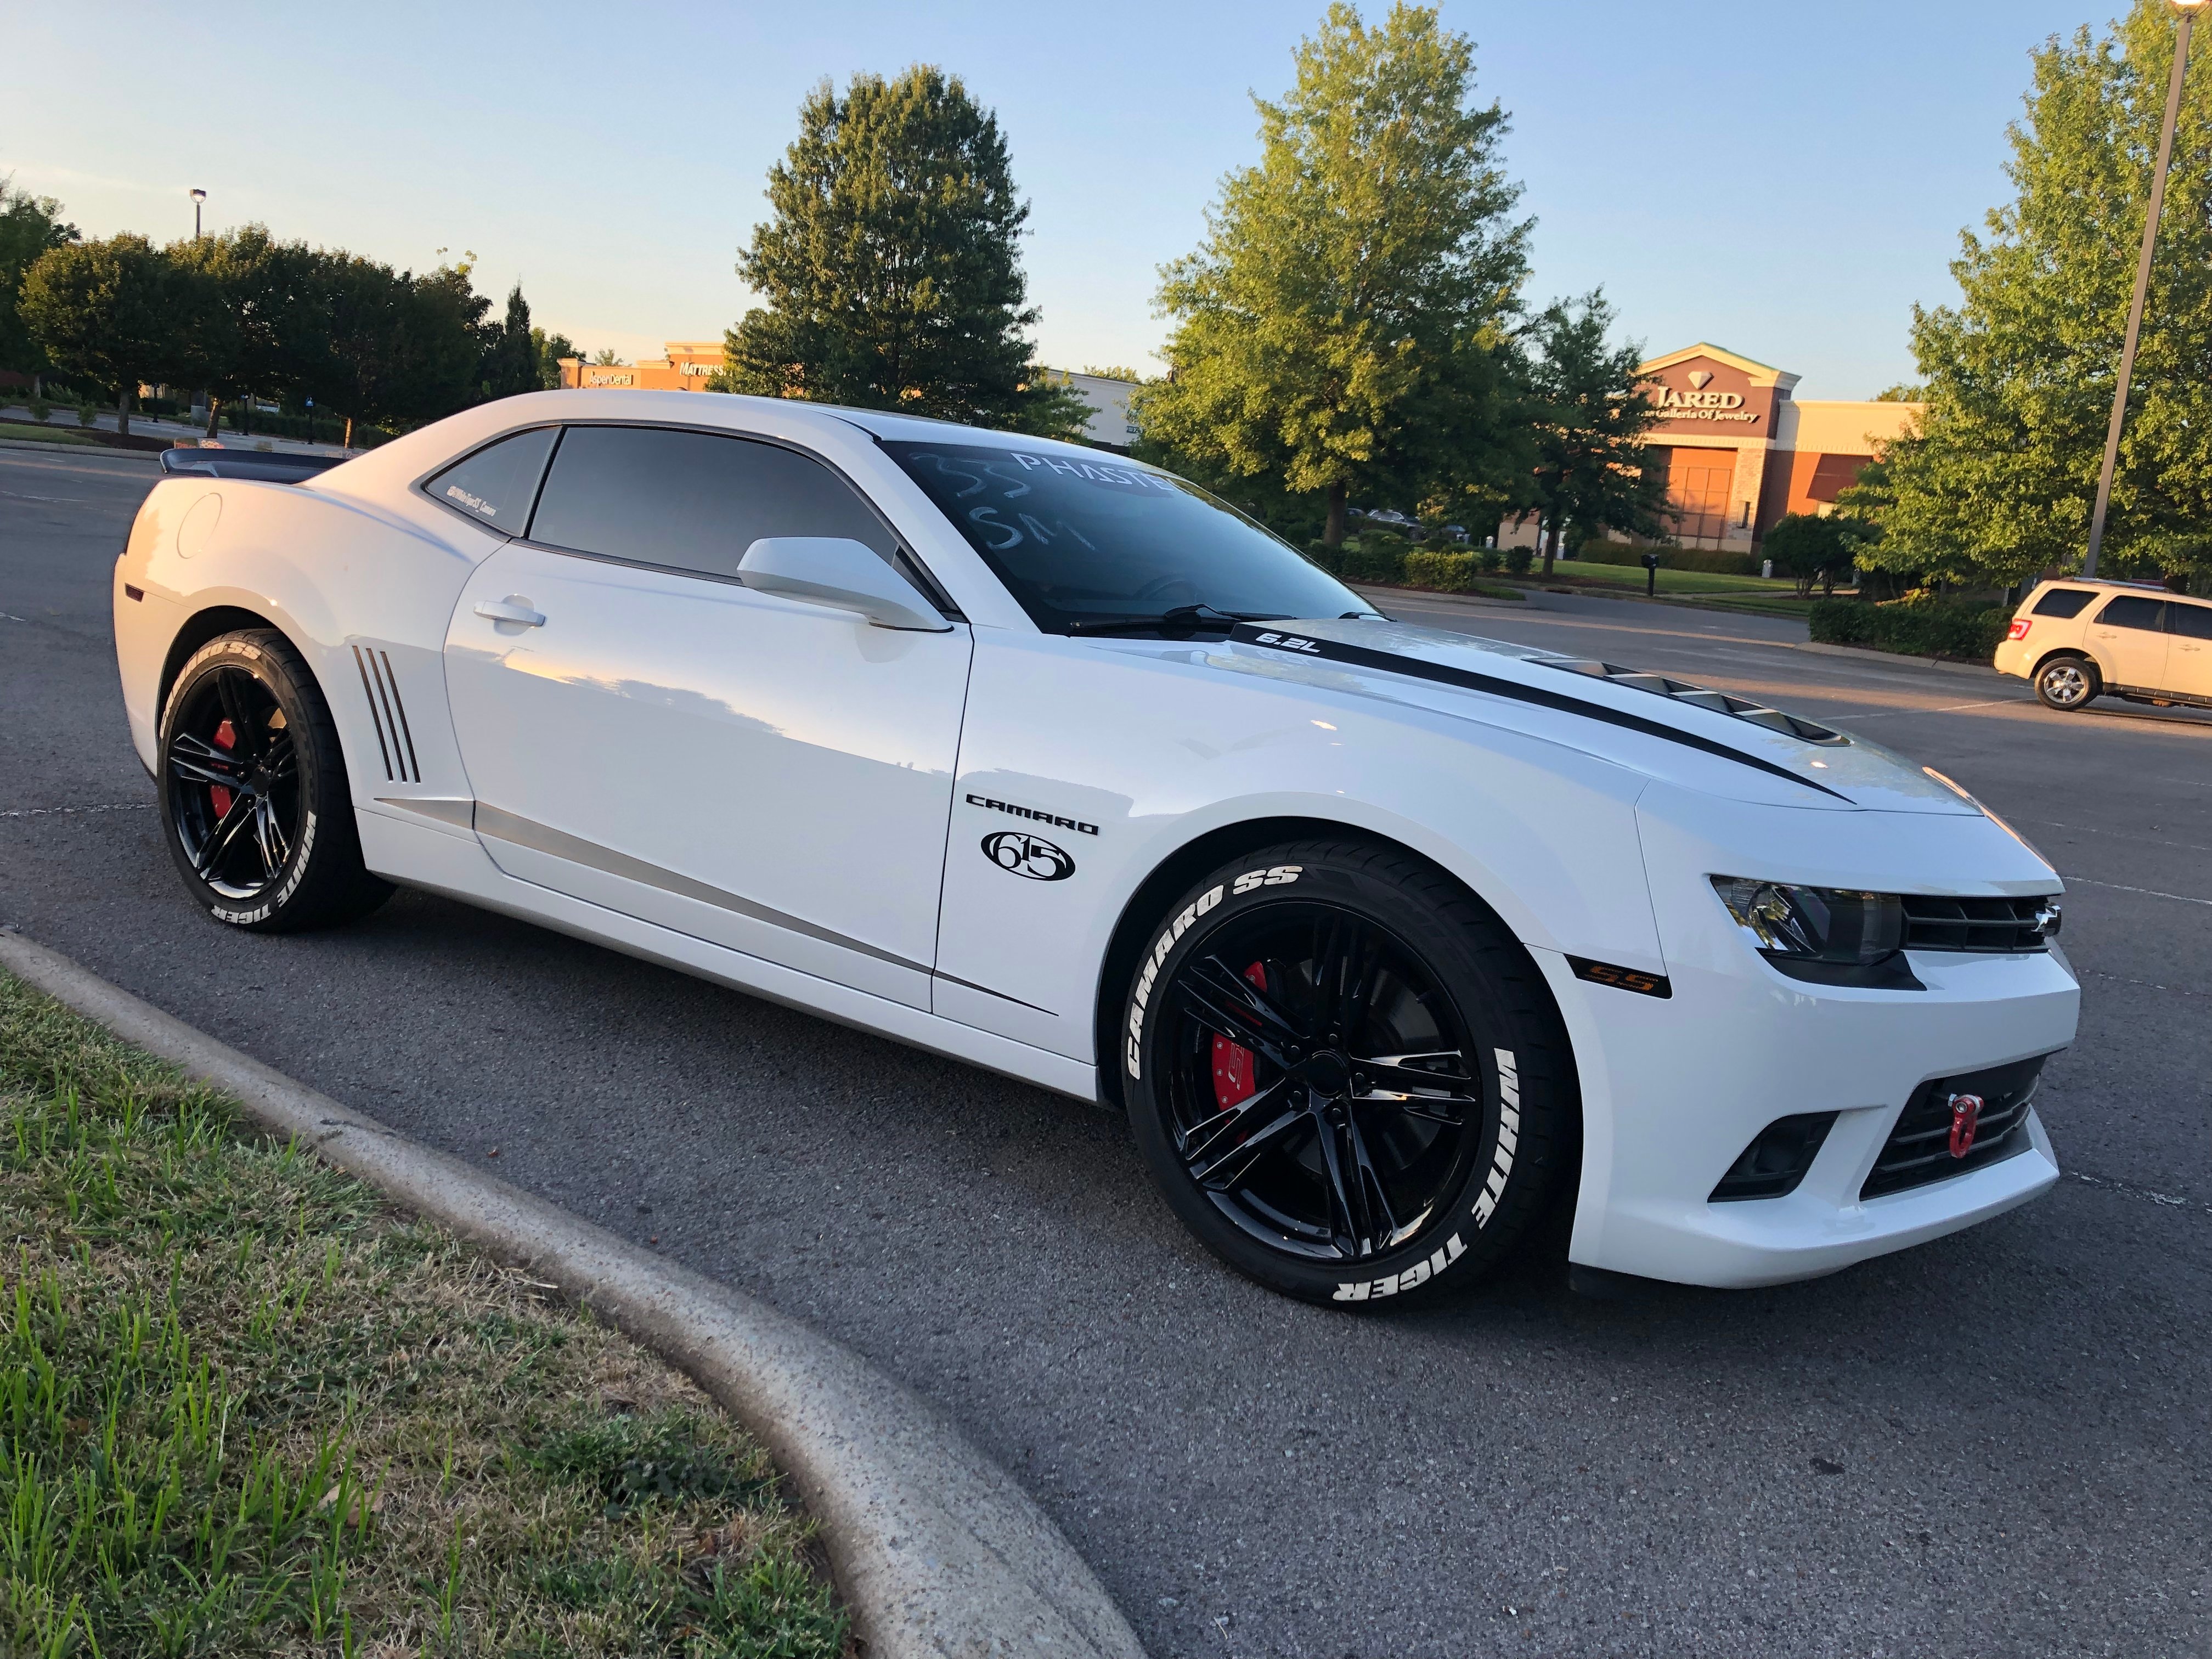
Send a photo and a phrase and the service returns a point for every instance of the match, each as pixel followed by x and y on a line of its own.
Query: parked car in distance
pixel 2076 639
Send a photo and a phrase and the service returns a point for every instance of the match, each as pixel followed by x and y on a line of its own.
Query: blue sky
pixel 1783 179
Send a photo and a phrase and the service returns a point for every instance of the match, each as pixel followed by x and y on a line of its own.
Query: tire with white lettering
pixel 253 782
pixel 1346 1073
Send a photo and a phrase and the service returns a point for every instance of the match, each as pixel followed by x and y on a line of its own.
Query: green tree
pixel 550 348
pixel 1344 325
pixel 30 226
pixel 402 349
pixel 278 324
pixel 1808 548
pixel 123 311
pixel 1998 482
pixel 890 266
pixel 510 363
pixel 1589 407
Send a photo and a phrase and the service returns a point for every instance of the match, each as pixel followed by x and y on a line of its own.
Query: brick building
pixel 1739 449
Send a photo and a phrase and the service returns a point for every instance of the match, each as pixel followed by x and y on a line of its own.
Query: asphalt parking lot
pixel 1992 1445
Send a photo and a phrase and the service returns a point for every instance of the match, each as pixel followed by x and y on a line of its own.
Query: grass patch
pixel 46 435
pixel 1674 581
pixel 247 1408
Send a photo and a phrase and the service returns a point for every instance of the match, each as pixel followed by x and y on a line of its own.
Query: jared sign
pixel 1697 403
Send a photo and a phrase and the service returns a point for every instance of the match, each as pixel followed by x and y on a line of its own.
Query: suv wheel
pixel 2067 683
pixel 253 795
pixel 1346 1074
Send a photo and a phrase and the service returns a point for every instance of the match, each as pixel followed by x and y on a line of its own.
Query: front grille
pixel 1918 1150
pixel 1978 923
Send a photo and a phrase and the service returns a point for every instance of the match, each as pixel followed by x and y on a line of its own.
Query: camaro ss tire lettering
pixel 1027 856
pixel 1280 875
pixel 1153 958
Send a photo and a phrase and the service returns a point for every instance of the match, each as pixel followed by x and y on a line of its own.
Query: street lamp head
pixel 201 195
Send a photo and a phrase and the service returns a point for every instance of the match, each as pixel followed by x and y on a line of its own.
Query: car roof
pixel 2113 582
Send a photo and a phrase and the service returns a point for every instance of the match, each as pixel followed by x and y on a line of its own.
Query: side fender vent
pixel 388 715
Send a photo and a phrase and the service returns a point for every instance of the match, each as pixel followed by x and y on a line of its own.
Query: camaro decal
pixel 1028 855
pixel 1360 656
pixel 1032 813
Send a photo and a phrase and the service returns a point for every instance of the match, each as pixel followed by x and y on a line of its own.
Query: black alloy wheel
pixel 1326 1073
pixel 233 783
pixel 253 792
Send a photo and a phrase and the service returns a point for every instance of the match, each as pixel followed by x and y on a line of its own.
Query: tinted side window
pixel 2191 620
pixel 2064 602
pixel 494 485
pixel 690 501
pixel 2129 611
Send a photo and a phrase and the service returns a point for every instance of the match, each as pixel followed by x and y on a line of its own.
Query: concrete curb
pixel 1868 654
pixel 938 1553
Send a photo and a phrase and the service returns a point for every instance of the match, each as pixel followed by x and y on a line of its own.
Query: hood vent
pixel 1703 697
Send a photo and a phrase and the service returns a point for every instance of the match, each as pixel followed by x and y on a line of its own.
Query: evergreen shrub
pixel 1918 625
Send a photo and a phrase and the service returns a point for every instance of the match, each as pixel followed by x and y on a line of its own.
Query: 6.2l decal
pixel 1028 855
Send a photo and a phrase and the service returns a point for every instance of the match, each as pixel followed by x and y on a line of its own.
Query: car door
pixel 2189 649
pixel 2128 639
pixel 645 733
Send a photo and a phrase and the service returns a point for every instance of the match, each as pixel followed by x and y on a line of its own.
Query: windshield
pixel 1085 544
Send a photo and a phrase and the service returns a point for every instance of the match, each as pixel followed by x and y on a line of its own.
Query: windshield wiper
pixel 1182 618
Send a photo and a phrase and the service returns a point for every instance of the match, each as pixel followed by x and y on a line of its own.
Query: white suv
pixel 2075 640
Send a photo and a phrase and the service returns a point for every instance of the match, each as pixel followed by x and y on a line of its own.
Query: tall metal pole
pixel 2142 285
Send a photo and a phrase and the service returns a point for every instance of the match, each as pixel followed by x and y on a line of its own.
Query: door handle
pixel 512 609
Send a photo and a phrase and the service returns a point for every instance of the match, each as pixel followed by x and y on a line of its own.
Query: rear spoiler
pixel 268 466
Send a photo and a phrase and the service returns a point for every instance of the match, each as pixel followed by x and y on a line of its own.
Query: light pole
pixel 2188 8
pixel 197 195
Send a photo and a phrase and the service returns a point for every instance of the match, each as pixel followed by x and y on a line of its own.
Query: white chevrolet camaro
pixel 1387 940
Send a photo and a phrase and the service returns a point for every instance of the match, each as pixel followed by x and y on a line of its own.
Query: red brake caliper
pixel 1232 1065
pixel 219 797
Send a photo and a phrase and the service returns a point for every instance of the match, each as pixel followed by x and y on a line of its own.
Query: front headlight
pixel 1828 935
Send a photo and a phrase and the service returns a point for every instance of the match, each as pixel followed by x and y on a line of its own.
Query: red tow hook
pixel 1966 1119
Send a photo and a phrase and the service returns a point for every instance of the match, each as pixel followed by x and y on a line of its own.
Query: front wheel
pixel 253 795
pixel 1345 1075
pixel 2067 683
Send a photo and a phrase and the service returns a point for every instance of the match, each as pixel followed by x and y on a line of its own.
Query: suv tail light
pixel 2020 627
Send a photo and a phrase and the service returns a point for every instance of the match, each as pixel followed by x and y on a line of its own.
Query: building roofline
pixel 1760 373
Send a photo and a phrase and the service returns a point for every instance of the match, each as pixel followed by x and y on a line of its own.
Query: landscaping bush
pixel 1375 556
pixel 1518 559
pixel 87 412
pixel 1442 572
pixel 1919 625
pixel 41 410
pixel 1492 559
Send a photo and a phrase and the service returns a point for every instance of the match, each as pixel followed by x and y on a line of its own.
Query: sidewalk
pixel 188 432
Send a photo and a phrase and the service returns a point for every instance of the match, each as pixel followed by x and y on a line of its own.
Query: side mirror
pixel 841 574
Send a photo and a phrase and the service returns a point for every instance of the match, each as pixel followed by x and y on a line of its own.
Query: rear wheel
pixel 253 795
pixel 1346 1074
pixel 2067 683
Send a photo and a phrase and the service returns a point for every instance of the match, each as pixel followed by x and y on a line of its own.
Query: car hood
pixel 1704 739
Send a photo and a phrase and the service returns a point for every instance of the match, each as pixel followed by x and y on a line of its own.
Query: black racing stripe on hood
pixel 1467 679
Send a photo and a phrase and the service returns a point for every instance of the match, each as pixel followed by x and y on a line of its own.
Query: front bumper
pixel 1674 1090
